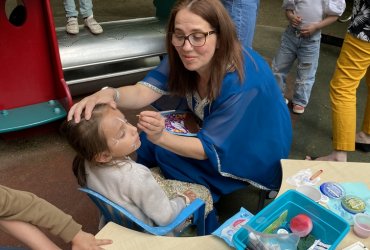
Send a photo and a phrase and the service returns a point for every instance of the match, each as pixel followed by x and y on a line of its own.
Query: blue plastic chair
pixel 119 215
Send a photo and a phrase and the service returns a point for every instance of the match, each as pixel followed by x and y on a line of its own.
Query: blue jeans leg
pixel 284 58
pixel 244 14
pixel 86 8
pixel 70 8
pixel 308 57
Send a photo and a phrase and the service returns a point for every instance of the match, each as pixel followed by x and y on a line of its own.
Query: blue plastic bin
pixel 327 226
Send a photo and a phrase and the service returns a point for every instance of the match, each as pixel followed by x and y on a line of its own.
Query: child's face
pixel 122 137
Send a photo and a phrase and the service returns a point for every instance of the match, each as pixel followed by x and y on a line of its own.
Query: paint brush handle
pixel 315 175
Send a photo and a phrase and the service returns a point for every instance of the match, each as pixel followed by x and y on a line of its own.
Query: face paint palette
pixel 180 123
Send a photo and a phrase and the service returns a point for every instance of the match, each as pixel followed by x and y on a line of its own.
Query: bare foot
pixel 334 156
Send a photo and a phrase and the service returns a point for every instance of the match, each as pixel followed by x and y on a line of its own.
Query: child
pixel 103 144
pixel 87 14
pixel 22 213
pixel 301 40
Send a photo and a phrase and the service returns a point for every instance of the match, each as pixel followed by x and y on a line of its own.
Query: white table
pixel 124 238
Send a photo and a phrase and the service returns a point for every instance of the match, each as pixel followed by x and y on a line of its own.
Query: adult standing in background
pixel 244 14
pixel 352 65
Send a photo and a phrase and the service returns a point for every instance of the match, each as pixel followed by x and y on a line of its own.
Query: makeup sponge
pixel 301 225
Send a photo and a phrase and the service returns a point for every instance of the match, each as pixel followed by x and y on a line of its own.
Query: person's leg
pixel 352 65
pixel 284 58
pixel 308 58
pixel 28 234
pixel 86 7
pixel 71 14
pixel 363 137
pixel 89 20
pixel 244 14
pixel 70 8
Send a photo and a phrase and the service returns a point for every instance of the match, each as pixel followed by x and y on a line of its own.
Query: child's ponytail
pixel 79 171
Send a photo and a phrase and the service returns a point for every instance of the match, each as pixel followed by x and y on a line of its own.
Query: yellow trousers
pixel 352 65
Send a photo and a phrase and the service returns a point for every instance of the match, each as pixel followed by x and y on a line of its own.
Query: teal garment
pixel 245 133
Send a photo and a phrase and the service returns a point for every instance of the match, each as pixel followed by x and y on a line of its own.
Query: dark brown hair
pixel 228 54
pixel 86 139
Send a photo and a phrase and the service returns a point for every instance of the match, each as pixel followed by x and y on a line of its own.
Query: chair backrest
pixel 116 213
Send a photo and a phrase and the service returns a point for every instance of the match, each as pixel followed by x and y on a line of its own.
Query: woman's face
pixel 195 58
pixel 122 137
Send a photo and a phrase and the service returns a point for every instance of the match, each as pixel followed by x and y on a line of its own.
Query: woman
pixel 246 126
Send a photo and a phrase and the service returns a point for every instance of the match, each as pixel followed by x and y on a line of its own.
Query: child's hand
pixel 294 20
pixel 190 194
pixel 308 30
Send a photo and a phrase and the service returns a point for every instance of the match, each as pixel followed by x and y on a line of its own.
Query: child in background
pixel 103 144
pixel 86 13
pixel 301 40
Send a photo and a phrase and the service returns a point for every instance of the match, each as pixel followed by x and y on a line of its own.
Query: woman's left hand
pixel 152 123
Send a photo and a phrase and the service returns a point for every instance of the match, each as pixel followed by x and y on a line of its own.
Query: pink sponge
pixel 301 225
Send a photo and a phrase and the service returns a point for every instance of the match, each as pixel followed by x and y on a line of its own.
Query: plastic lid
pixel 332 190
pixel 353 204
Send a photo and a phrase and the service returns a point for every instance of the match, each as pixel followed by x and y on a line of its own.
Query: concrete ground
pixel 42 164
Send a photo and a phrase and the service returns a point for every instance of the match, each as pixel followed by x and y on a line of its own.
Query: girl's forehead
pixel 114 117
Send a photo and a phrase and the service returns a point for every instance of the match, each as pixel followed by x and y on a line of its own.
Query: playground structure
pixel 33 90
pixel 122 54
pixel 42 66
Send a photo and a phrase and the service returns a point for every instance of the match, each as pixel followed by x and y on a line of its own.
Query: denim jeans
pixel 307 51
pixel 244 14
pixel 85 8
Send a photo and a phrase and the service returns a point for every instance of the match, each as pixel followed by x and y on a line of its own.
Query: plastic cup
pixel 312 193
pixel 361 225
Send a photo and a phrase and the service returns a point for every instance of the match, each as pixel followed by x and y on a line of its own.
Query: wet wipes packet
pixel 227 230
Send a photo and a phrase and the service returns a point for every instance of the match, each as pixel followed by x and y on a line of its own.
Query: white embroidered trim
pixel 154 88
pixel 255 184
pixel 199 104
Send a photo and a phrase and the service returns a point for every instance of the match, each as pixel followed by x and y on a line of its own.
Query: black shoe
pixel 364 147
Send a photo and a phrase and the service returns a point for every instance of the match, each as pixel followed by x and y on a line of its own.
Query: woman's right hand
pixel 88 103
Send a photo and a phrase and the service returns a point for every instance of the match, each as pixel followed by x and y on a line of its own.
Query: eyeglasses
pixel 196 39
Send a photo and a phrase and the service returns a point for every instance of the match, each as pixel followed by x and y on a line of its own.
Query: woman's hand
pixel 153 124
pixel 88 103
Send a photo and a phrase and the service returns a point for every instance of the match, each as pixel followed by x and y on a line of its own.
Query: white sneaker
pixel 286 101
pixel 93 25
pixel 298 109
pixel 72 26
